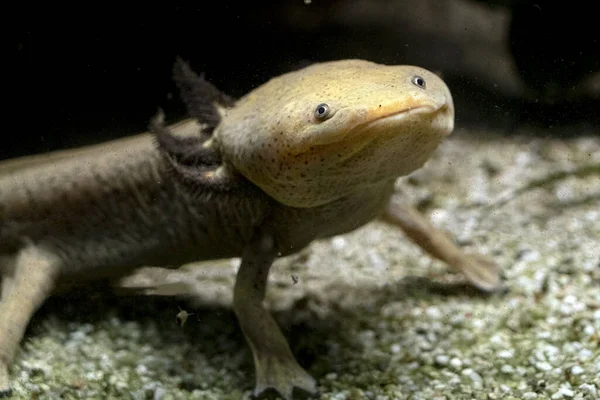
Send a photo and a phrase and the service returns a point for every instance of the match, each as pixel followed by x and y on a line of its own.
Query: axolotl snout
pixel 318 134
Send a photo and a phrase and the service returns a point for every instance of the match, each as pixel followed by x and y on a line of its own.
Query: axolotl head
pixel 314 135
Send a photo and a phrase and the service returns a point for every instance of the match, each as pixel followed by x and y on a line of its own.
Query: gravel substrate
pixel 368 314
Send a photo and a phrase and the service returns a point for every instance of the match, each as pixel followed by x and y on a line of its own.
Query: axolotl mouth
pixel 441 124
pixel 422 123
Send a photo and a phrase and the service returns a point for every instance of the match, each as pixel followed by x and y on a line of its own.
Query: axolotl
pixel 307 155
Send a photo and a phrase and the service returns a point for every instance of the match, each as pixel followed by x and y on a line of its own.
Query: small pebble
pixel 159 393
pixel 589 330
pixel 585 355
pixel 577 370
pixel 442 359
pixel 588 388
pixel 507 369
pixel 543 366
pixel 474 376
pixel 506 354
pixel 456 363
pixel 433 312
pixel 562 393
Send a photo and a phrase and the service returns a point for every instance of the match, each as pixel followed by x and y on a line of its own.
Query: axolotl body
pixel 310 154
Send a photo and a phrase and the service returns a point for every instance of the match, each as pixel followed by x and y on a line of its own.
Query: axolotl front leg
pixel 27 281
pixel 275 366
pixel 482 272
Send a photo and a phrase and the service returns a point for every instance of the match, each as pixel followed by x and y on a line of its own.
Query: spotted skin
pixel 309 154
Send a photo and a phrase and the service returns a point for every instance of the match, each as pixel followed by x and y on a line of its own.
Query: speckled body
pixel 310 154
pixel 118 208
pixel 115 206
pixel 121 209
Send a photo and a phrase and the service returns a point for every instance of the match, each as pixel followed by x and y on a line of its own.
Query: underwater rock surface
pixel 368 314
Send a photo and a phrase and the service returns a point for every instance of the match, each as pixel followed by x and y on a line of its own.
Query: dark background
pixel 81 74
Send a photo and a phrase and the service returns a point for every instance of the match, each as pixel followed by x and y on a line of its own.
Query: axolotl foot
pixel 275 365
pixel 5 390
pixel 281 374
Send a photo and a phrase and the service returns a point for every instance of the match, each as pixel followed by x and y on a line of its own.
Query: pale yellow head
pixel 314 135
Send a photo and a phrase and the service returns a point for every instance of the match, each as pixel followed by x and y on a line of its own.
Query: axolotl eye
pixel 419 81
pixel 322 112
